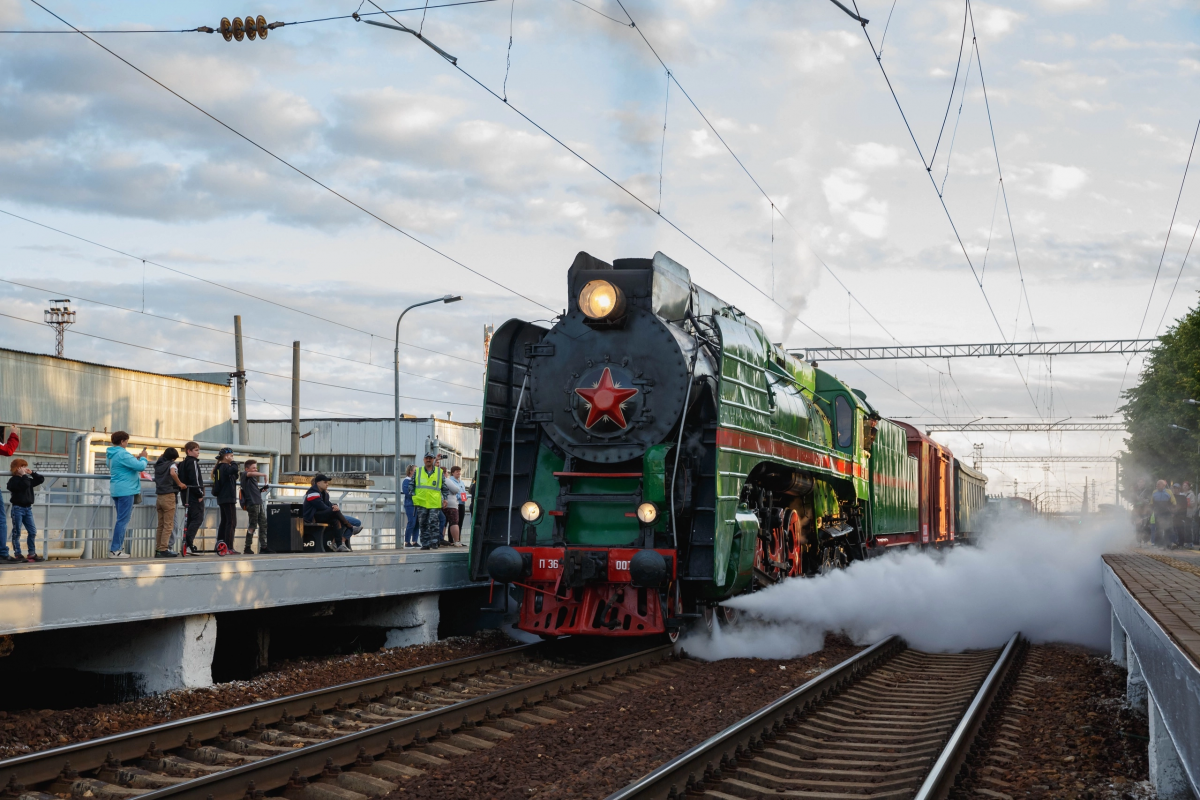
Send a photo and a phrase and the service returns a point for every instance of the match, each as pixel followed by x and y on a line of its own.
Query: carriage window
pixel 845 421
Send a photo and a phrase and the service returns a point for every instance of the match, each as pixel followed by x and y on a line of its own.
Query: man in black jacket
pixel 192 497
pixel 224 489
pixel 318 508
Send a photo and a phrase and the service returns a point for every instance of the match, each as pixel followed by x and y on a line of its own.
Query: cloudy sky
pixel 1092 106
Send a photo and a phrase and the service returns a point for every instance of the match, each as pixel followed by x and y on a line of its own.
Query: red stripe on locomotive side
pixel 740 440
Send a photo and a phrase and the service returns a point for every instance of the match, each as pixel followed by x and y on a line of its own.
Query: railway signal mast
pixel 59 316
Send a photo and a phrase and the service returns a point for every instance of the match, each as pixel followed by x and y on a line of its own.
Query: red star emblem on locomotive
pixel 605 400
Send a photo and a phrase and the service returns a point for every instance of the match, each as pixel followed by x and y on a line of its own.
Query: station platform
pixel 71 594
pixel 1155 598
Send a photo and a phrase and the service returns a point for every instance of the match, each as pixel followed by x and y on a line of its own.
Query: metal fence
pixel 74 516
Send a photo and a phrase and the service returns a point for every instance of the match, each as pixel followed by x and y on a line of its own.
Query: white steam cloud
pixel 1033 576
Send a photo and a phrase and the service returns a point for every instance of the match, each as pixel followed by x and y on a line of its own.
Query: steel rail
pixel 671 778
pixel 276 771
pixel 46 765
pixel 945 770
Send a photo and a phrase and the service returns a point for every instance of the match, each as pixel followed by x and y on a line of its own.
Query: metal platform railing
pixel 74 516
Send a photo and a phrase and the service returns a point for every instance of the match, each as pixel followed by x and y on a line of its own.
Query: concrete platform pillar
pixel 1118 642
pixel 1166 769
pixel 410 619
pixel 1135 682
pixel 164 654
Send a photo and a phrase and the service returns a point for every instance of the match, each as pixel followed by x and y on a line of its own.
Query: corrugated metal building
pixel 368 445
pixel 51 397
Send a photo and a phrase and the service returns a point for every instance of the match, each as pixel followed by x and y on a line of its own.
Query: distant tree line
pixel 1171 378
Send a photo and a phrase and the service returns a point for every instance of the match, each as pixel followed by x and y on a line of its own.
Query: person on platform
pixel 1162 513
pixel 318 508
pixel 166 489
pixel 453 509
pixel 224 489
pixel 429 489
pixel 192 497
pixel 21 486
pixel 1189 521
pixel 7 449
pixel 124 484
pixel 410 511
pixel 252 502
pixel 1141 510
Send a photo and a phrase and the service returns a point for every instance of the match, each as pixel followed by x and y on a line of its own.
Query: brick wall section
pixel 1170 595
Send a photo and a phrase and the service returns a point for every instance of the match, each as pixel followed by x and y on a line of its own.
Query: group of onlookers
pixel 434 501
pixel 434 504
pixel 1167 515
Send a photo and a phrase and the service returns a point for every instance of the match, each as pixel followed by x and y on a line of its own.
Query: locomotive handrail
pixel 597 474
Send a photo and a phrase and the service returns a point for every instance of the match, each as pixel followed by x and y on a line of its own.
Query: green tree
pixel 1170 379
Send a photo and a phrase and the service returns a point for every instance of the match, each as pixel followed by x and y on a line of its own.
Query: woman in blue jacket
pixel 125 483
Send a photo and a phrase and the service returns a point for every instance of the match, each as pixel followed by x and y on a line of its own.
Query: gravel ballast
pixel 599 749
pixel 31 731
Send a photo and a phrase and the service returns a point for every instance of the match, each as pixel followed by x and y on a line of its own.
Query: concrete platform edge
pixel 53 598
pixel 1172 679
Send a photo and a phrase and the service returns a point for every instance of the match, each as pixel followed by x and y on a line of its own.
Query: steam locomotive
pixel 652 454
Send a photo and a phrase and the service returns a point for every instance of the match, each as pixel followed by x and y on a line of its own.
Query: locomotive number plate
pixel 547 563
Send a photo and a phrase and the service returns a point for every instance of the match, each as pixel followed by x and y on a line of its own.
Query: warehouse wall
pixel 76 395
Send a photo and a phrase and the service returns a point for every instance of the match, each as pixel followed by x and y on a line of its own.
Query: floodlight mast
pixel 59 316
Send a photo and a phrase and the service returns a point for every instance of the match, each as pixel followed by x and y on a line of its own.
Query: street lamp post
pixel 396 458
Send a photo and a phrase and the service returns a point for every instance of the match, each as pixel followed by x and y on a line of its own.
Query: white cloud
pixel 995 21
pixel 811 51
pixel 703 144
pixel 843 187
pixel 1068 5
pixel 1059 181
pixel 872 219
pixel 872 155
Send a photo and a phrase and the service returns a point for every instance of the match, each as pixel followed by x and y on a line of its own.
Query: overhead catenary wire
pixel 296 169
pixel 774 208
pixel 77 332
pixel 1178 275
pixel 224 286
pixel 945 209
pixel 77 296
pixel 298 22
pixel 1162 256
pixel 675 226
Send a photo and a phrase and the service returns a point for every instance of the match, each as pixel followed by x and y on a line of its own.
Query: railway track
pixel 347 742
pixel 889 724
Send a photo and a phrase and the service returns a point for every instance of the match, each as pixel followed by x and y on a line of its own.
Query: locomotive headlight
pixel 531 511
pixel 647 513
pixel 601 300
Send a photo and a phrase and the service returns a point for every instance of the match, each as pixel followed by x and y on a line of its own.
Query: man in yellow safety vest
pixel 429 487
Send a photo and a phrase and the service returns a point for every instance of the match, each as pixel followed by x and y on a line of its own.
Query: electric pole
pixel 295 407
pixel 243 428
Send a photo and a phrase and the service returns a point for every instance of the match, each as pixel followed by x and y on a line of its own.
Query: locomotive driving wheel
pixel 770 552
pixel 793 543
